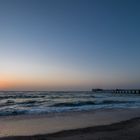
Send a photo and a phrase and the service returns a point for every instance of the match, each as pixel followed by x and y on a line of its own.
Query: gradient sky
pixel 69 44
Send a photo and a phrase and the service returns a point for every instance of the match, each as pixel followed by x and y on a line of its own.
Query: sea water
pixel 43 102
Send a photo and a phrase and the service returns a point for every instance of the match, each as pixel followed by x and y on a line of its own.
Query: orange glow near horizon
pixel 32 82
pixel 5 84
pixel 55 81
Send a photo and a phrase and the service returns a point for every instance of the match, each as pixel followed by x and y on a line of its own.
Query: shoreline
pixel 124 130
pixel 57 122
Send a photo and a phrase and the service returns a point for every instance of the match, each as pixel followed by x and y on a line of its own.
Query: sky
pixel 69 44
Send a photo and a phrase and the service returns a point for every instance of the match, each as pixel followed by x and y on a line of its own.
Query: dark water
pixel 17 103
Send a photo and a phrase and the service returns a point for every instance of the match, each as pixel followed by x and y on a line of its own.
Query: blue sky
pixel 69 44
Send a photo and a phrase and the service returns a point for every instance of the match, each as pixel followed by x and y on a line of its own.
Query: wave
pixel 71 104
pixel 115 102
pixel 60 107
pixel 20 96
pixel 7 103
pixel 30 103
pixel 81 103
pixel 13 112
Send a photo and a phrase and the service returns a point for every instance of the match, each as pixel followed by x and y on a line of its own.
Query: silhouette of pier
pixel 130 91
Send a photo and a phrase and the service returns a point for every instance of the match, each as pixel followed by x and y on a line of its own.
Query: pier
pixel 123 91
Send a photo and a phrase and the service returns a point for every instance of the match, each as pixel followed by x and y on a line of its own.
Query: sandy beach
pixel 125 130
pixel 103 124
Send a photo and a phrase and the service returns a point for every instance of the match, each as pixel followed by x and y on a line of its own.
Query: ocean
pixel 44 102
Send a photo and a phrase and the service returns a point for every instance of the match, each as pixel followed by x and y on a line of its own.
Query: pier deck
pixel 131 91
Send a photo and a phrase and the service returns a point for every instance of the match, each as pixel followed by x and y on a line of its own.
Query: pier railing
pixel 131 91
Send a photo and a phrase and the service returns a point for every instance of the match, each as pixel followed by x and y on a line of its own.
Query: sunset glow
pixel 47 45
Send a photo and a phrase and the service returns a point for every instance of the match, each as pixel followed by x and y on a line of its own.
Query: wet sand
pixel 103 124
pixel 125 130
